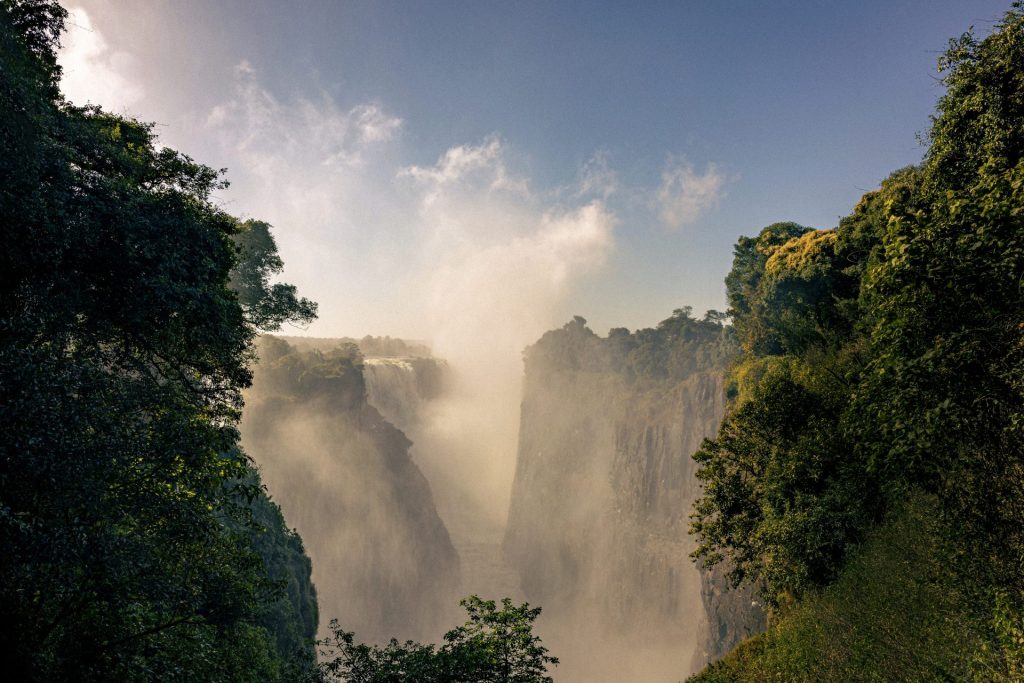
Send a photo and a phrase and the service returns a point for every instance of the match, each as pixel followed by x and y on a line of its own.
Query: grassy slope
pixel 893 615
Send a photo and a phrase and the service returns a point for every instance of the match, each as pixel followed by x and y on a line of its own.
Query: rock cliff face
pixel 732 616
pixel 383 562
pixel 602 496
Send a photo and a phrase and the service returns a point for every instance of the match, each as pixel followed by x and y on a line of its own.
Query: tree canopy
pixel 886 356
pixel 125 515
pixel 495 645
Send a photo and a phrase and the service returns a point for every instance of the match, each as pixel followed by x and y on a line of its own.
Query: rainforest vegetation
pixel 869 476
pixel 676 348
pixel 138 541
pixel 496 644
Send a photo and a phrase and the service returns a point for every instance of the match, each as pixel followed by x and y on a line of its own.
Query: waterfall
pixel 343 473
pixel 391 388
pixel 399 387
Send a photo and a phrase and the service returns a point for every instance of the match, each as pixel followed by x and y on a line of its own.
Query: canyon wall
pixel 383 562
pixel 603 491
pixel 597 531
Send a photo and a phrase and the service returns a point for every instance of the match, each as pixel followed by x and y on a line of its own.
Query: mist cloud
pixel 503 261
pixel 275 140
pixel 93 73
pixel 499 259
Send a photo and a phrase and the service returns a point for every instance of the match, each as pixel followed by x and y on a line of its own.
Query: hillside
pixel 868 478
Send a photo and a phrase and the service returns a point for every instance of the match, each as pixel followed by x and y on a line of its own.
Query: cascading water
pixel 392 388
pixel 383 562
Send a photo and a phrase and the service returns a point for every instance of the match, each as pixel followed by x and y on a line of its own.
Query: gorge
pixel 383 560
pixel 354 439
pixel 608 429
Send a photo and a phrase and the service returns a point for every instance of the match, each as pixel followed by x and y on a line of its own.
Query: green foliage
pixel 944 394
pixel 895 613
pixel 785 494
pixel 267 306
pixel 1003 662
pixel 334 376
pixel 498 644
pixel 678 347
pixel 782 491
pixel 886 357
pixel 289 614
pixel 495 645
pixel 743 283
pixel 123 354
pixel 369 346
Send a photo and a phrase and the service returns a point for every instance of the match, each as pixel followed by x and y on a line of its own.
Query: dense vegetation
pixel 369 346
pixel 495 645
pixel 881 381
pixel 137 541
pixel 894 614
pixel 675 349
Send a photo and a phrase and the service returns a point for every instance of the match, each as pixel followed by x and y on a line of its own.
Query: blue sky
pixel 602 158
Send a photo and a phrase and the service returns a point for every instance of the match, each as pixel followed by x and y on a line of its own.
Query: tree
pixel 744 280
pixel 495 645
pixel 784 498
pixel 886 357
pixel 498 645
pixel 123 353
pixel 944 394
pixel 266 305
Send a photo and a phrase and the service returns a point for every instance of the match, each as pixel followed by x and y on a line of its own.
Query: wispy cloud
pixel 685 194
pixel 597 178
pixel 259 126
pixel 373 124
pixel 484 162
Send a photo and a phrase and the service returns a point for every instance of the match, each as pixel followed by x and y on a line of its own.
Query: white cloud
pixel 93 73
pixel 374 125
pixel 264 130
pixel 459 163
pixel 685 194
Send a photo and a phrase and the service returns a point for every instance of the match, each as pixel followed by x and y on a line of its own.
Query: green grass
pixel 894 614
